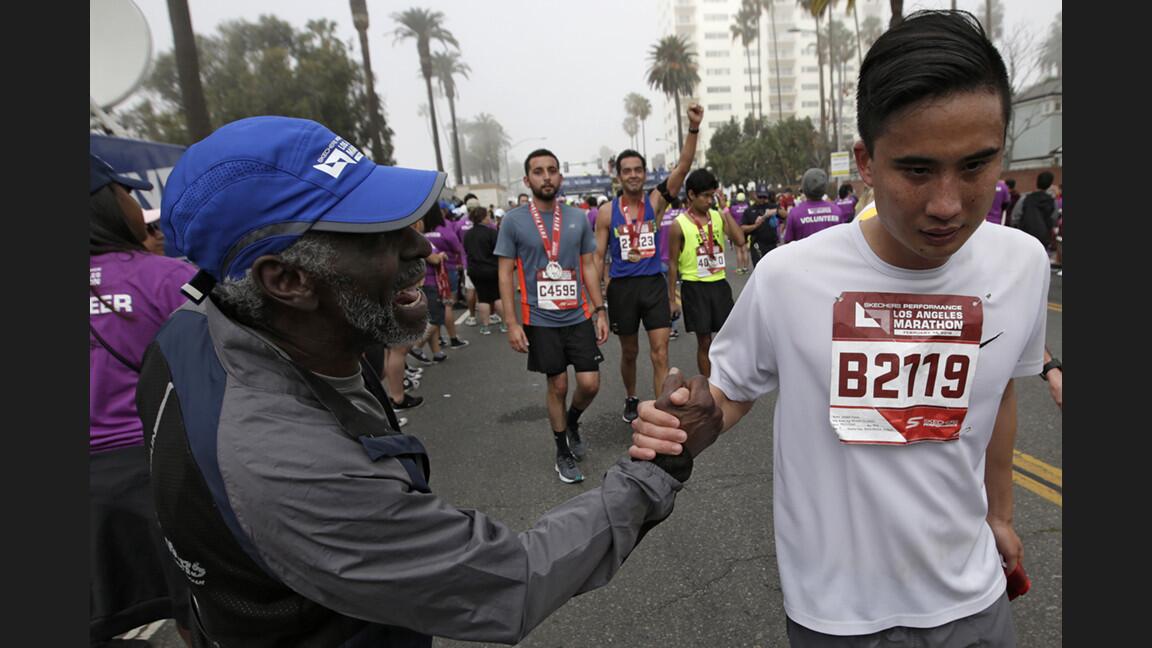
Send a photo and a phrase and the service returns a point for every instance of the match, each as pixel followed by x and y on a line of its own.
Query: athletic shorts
pixel 487 287
pixel 132 578
pixel 992 627
pixel 435 306
pixel 635 299
pixel 706 305
pixel 552 348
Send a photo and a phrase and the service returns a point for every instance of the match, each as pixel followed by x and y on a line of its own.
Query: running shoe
pixel 437 358
pixel 457 343
pixel 414 374
pixel 485 330
pixel 420 355
pixel 471 321
pixel 674 335
pixel 411 384
pixel 567 469
pixel 403 420
pixel 575 443
pixel 443 342
pixel 503 327
pixel 630 406
pixel 409 402
pixel 494 318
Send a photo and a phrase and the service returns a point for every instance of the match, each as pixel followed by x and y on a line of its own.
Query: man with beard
pixel 628 231
pixel 298 512
pixel 547 248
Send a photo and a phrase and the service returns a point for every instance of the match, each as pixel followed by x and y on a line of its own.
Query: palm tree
pixel 445 67
pixel 816 9
pixel 768 6
pixel 638 106
pixel 486 143
pixel 631 127
pixel 746 28
pixel 425 26
pixel 674 72
pixel 188 71
pixel 360 21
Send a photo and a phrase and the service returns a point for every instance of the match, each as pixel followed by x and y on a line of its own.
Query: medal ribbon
pixel 633 232
pixel 707 241
pixel 553 249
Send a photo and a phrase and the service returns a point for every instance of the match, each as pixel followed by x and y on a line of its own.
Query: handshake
pixel 684 419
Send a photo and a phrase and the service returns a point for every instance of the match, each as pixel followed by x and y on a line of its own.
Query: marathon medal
pixel 637 239
pixel 902 366
pixel 707 261
pixel 556 288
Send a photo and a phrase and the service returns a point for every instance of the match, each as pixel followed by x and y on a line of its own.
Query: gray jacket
pixel 353 535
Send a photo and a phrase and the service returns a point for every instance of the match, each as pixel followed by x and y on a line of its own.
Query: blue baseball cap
pixel 101 174
pixel 254 186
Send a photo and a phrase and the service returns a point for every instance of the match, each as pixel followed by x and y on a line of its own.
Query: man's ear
pixel 863 161
pixel 285 284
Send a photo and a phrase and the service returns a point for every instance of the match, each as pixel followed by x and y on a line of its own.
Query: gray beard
pixel 374 320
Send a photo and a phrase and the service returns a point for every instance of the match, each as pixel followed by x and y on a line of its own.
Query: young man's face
pixel 933 168
pixel 543 177
pixel 703 201
pixel 632 174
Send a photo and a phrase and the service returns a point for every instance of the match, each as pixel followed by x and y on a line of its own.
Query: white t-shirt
pixel 875 535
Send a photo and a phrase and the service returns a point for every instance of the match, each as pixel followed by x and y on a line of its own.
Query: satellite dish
pixel 120 50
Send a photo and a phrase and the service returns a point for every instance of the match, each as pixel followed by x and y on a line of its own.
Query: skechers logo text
pixel 337 155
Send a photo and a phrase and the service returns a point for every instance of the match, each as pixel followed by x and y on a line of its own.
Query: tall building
pixel 784 69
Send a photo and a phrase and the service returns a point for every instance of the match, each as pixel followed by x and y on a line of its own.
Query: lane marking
pixel 1053 306
pixel 1048 473
pixel 1038 488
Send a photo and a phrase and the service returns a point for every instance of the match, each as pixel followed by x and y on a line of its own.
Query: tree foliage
pixel 1053 52
pixel 263 68
pixel 673 71
pixel 776 153
pixel 485 141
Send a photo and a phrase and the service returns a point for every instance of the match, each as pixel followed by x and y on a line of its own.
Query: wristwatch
pixel 693 130
pixel 601 307
pixel 1054 363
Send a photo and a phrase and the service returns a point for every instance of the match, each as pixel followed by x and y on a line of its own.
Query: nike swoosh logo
pixel 987 341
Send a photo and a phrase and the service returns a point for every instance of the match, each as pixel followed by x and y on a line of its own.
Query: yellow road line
pixel 1050 474
pixel 1038 488
pixel 1053 306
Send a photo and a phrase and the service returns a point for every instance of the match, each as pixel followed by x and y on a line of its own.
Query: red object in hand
pixel 1018 581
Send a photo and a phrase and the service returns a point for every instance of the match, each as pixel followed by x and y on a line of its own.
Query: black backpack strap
pixel 115 354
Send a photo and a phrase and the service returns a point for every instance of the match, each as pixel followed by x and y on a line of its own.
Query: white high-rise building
pixel 785 76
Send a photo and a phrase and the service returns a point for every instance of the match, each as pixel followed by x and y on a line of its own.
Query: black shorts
pixel 487 286
pixel 552 348
pixel 435 306
pixel 635 299
pixel 706 305
pixel 133 579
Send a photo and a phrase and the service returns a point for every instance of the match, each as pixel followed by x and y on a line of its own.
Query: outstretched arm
pixel 676 178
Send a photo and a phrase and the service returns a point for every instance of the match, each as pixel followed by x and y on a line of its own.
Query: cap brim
pixel 389 198
pixel 132 183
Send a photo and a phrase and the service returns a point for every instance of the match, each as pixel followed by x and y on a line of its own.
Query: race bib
pixel 645 246
pixel 557 294
pixel 903 366
pixel 706 265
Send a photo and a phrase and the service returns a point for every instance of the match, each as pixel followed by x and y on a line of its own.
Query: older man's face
pixel 377 285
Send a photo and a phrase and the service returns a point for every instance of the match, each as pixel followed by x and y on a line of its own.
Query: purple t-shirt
pixel 132 295
pixel 592 214
pixel 670 215
pixel 736 210
pixel 996 212
pixel 430 268
pixel 809 217
pixel 847 207
pixel 446 240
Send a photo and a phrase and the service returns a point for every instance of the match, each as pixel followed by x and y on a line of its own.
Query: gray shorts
pixel 990 628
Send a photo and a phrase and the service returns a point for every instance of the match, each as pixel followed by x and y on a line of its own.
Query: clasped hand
pixel 684 418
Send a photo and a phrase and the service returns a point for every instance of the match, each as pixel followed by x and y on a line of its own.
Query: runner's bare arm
pixel 603 226
pixel 676 178
pixel 592 285
pixel 505 268
pixel 675 244
pixel 998 479
pixel 733 230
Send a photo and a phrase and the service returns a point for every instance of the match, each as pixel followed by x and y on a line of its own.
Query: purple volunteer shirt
pixel 132 294
pixel 847 207
pixel 809 217
pixel 446 240
pixel 670 215
pixel 999 201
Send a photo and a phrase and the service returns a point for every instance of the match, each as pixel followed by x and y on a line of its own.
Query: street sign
pixel 841 164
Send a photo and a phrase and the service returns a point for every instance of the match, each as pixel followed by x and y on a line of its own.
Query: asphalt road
pixel 707 576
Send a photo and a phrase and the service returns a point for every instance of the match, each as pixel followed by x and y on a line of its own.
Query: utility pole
pixel 360 20
pixel 188 70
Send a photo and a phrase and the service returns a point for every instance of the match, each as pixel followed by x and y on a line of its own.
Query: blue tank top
pixel 648 238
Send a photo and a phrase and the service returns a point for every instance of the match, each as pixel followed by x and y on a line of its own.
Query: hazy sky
pixel 542 68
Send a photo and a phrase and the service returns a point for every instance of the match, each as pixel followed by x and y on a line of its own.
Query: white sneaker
pixel 471 321
pixel 494 318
